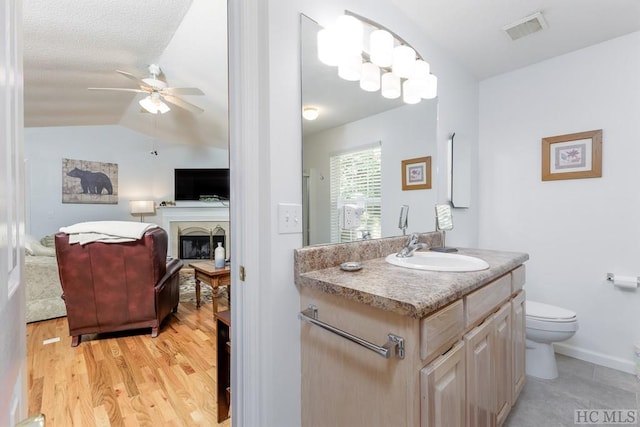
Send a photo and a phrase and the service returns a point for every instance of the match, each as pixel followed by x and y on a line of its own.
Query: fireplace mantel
pixel 196 212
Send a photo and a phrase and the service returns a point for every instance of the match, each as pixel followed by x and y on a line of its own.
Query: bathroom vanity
pixel 455 341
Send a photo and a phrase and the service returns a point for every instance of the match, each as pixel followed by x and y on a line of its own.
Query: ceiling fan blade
pixel 182 104
pixel 182 91
pixel 119 89
pixel 132 77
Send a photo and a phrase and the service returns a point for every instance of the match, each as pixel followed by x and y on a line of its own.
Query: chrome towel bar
pixel 393 347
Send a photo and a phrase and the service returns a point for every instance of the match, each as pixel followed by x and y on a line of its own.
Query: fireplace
pixel 199 243
pixel 200 219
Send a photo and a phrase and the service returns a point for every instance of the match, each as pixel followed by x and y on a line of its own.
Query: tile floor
pixel 580 385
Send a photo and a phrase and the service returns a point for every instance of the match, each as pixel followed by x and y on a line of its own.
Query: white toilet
pixel 546 324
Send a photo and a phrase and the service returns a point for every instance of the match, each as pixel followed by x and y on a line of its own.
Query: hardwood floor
pixel 127 379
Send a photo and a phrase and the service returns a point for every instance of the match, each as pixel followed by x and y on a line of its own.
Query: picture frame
pixel 86 181
pixel 416 173
pixel 572 156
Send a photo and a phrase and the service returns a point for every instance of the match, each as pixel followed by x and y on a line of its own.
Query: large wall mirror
pixel 357 132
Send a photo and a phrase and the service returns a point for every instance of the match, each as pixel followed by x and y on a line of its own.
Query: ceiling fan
pixel 157 92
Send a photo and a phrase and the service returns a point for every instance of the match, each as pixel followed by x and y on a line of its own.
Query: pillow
pixel 48 241
pixel 39 250
pixel 29 241
pixel 33 247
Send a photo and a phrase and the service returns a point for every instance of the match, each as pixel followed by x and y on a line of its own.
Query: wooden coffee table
pixel 206 271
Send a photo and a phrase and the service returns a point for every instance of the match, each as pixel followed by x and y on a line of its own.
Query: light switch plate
pixel 289 218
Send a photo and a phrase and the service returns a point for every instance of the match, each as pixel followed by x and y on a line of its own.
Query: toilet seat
pixel 548 317
pixel 549 313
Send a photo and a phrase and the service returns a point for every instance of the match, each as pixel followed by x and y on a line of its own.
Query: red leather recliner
pixel 110 287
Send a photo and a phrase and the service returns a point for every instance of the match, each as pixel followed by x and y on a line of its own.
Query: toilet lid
pixel 548 312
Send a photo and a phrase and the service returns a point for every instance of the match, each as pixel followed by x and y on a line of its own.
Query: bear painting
pixel 86 181
pixel 92 182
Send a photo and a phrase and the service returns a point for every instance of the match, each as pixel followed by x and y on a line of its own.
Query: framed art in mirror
pixel 416 173
pixel 572 156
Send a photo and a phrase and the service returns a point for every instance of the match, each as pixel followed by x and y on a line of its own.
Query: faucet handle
pixel 413 239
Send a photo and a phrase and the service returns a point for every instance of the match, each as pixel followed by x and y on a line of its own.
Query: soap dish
pixel 351 266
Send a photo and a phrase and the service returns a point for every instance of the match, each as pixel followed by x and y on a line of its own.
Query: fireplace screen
pixel 195 247
pixel 199 247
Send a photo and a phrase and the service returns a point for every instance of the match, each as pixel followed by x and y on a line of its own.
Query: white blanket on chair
pixel 106 231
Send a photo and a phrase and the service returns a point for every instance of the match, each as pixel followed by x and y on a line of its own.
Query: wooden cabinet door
pixel 480 375
pixel 519 345
pixel 442 385
pixel 502 360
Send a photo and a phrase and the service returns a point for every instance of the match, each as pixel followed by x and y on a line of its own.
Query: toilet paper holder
pixel 612 278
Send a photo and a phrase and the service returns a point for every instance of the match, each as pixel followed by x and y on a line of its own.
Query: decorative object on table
pixel 141 208
pixel 218 256
pixel 572 156
pixel 85 181
pixel 416 173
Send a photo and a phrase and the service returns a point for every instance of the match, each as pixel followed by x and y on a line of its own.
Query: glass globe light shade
pixel 370 79
pixel 390 86
pixel 404 59
pixel 411 92
pixel 381 47
pixel 350 67
pixel 328 52
pixel 432 87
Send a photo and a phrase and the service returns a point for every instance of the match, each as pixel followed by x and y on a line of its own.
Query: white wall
pixel 574 230
pixel 405 132
pixel 269 288
pixel 140 174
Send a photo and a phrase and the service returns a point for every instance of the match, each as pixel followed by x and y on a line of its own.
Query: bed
pixel 44 292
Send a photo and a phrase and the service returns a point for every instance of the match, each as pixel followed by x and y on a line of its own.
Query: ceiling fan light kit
pixel 153 104
pixel 404 72
pixel 158 92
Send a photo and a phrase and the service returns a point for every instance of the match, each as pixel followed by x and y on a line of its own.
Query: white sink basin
pixel 438 261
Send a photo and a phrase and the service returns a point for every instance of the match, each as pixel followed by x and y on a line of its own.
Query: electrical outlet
pixel 289 218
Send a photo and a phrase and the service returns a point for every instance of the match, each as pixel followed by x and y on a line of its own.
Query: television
pixel 201 184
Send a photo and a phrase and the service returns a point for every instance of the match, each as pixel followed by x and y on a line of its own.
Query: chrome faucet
pixel 411 246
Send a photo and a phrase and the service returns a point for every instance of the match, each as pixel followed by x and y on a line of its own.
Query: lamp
pixel 154 104
pixel 142 208
pixel 404 72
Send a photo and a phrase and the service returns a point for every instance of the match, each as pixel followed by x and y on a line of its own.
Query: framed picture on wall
pixel 572 156
pixel 416 173
pixel 85 181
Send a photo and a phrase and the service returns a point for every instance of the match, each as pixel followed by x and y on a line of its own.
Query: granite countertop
pixel 409 292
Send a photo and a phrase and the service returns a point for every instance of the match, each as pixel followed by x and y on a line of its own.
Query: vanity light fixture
pixel 387 62
pixel 310 113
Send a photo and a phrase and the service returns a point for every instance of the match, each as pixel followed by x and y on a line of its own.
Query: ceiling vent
pixel 525 26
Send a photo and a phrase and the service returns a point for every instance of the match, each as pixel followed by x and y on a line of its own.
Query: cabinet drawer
pixel 481 302
pixel 518 279
pixel 441 329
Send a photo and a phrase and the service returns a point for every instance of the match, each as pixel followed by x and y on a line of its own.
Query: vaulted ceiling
pixel 72 45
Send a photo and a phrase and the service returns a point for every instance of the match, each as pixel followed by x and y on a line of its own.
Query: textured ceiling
pixel 72 45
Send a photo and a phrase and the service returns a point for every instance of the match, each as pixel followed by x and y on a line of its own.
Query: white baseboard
pixel 623 365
